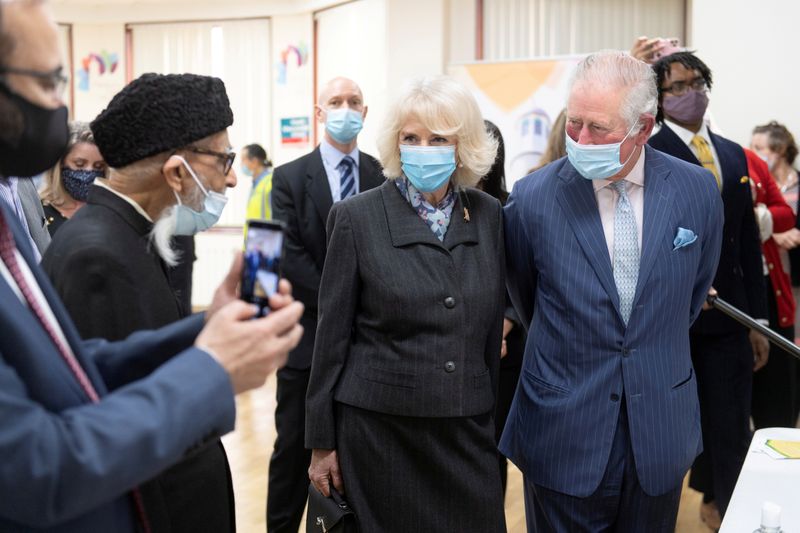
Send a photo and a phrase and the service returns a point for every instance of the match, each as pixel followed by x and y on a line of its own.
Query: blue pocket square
pixel 684 237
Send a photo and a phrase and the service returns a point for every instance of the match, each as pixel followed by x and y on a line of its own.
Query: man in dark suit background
pixel 722 354
pixel 303 192
pixel 82 423
pixel 111 265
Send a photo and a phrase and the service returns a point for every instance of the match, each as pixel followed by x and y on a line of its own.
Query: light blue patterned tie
pixel 347 177
pixel 626 251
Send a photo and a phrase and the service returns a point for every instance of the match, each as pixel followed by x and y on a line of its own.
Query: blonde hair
pixel 53 191
pixel 445 107
pixel 556 142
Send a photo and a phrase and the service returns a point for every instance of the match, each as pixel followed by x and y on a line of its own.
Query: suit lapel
pixel 730 180
pixel 318 187
pixel 61 315
pixel 460 231
pixel 369 174
pixel 658 197
pixel 676 146
pixel 405 225
pixel 577 199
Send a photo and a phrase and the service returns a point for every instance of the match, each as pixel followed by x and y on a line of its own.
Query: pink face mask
pixel 687 108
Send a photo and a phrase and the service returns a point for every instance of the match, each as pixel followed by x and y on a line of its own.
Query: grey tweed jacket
pixel 408 325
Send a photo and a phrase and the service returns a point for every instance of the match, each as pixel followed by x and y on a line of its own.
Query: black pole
pixel 749 322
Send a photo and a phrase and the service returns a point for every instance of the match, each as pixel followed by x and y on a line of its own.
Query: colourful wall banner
pixel 295 131
pixel 523 98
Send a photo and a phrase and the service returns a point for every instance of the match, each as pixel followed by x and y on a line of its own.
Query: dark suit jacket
pixel 68 466
pixel 408 325
pixel 581 358
pixel 301 197
pixel 112 284
pixel 740 276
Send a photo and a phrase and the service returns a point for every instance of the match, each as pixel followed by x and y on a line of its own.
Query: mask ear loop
pixel 191 172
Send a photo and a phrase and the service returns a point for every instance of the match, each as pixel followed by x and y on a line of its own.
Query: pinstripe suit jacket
pixel 408 325
pixel 580 358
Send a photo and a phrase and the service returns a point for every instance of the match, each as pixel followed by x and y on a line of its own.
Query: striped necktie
pixel 347 179
pixel 706 157
pixel 9 257
pixel 626 251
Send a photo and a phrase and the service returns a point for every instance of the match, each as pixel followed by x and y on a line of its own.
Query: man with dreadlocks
pixel 722 355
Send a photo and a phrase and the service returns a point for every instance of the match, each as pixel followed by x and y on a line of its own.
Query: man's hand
pixel 711 292
pixel 788 239
pixel 760 346
pixel 324 470
pixel 228 290
pixel 250 350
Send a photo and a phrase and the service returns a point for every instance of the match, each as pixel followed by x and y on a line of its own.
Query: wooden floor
pixel 249 448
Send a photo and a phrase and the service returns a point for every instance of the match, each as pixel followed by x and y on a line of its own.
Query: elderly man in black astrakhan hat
pixel 165 140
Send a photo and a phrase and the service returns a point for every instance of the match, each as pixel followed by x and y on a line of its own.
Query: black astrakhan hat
pixel 156 113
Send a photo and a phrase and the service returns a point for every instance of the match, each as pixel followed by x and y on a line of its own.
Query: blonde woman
pixel 66 185
pixel 404 374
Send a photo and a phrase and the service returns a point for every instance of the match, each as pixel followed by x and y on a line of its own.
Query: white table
pixel 765 479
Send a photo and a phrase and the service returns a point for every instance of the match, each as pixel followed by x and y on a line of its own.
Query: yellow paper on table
pixel 788 448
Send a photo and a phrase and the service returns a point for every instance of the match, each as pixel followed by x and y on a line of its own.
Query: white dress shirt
pixel 331 157
pixel 607 202
pixel 686 136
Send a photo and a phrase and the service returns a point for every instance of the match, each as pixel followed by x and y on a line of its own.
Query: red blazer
pixel 766 192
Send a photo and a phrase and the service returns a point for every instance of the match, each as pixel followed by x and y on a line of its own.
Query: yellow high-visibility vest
pixel 259 205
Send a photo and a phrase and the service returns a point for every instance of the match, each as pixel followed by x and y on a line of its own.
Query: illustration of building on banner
pixel 294 55
pixel 295 131
pixel 522 98
pixel 533 129
pixel 106 64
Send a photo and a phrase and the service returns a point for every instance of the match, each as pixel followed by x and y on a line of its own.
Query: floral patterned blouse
pixel 436 217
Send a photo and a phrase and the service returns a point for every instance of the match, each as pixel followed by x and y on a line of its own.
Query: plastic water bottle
pixel 770 518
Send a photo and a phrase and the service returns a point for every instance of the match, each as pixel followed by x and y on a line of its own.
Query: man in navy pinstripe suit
pixel 611 252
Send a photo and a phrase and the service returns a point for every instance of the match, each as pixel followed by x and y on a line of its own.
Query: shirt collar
pixel 686 135
pixel 333 156
pixel 635 176
pixel 136 206
pixel 9 183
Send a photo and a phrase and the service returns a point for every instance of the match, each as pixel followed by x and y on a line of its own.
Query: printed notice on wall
pixel 295 131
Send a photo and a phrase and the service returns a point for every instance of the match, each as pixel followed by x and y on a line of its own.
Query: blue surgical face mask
pixel 77 182
pixel 428 167
pixel 596 161
pixel 343 124
pixel 187 220
pixel 246 171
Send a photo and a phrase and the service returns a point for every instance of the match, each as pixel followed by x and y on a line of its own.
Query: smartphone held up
pixel 263 249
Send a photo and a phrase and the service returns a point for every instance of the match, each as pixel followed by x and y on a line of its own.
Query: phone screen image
pixel 262 261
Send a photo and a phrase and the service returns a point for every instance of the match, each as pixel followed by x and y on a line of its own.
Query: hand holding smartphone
pixel 263 250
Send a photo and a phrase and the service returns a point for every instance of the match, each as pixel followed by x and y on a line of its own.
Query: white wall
pixel 292 88
pixel 752 54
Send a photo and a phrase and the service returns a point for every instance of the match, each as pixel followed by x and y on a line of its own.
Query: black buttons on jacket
pixel 449 302
pixel 615 397
pixel 625 352
pixel 449 367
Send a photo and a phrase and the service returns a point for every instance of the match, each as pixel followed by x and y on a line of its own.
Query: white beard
pixel 161 237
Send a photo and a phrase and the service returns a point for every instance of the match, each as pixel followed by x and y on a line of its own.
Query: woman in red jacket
pixel 775 387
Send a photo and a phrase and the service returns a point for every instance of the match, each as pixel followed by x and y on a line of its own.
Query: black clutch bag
pixel 329 515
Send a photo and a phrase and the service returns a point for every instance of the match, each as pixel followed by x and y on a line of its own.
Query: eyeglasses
pixel 54 81
pixel 680 87
pixel 227 158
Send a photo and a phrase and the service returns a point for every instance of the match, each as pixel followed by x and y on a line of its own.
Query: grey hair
pixel 615 68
